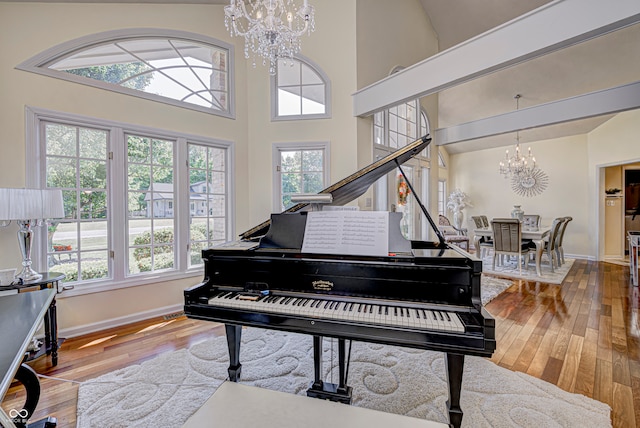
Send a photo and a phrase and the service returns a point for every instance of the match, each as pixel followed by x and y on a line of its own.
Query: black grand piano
pixel 421 294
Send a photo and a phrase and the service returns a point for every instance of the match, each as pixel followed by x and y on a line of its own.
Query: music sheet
pixel 361 233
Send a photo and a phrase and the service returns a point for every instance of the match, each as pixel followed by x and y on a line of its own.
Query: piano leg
pixel 234 333
pixel 317 363
pixel 325 390
pixel 454 363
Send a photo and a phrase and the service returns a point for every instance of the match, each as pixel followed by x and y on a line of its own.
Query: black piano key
pixel 326 305
pixel 417 314
pixel 359 307
pixel 440 315
pixel 447 315
pixel 306 302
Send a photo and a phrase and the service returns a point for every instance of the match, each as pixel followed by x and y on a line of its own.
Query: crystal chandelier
pixel 271 28
pixel 518 165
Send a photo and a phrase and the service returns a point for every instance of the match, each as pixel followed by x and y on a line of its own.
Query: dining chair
pixel 507 241
pixel 485 221
pixel 560 238
pixel 551 243
pixel 485 243
pixel 531 221
pixel 452 234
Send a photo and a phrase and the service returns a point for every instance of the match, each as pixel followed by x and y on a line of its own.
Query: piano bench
pixel 242 406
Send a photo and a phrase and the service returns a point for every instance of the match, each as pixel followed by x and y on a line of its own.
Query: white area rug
pixel 510 269
pixel 165 391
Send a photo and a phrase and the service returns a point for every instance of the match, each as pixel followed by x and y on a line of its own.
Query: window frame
pixel 117 202
pixel 39 63
pixel 277 148
pixel 327 93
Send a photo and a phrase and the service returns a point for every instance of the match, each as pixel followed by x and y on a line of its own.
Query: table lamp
pixel 29 208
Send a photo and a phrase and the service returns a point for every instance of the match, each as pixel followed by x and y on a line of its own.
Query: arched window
pixel 173 67
pixel 300 90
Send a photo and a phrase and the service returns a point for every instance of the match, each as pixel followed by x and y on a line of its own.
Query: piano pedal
pixel 331 392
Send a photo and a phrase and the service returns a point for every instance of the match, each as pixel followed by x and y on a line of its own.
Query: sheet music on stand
pixel 360 233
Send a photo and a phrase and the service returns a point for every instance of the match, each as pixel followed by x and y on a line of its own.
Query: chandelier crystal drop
pixel 518 164
pixel 271 28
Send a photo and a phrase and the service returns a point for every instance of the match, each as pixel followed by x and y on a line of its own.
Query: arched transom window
pixel 172 67
pixel 300 90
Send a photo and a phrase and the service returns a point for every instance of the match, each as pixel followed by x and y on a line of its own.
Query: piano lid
pixel 353 186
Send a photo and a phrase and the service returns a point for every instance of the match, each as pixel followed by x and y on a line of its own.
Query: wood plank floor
pixel 583 336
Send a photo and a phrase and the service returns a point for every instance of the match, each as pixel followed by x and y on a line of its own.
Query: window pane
pixel 288 73
pixel 301 90
pixel 61 172
pixel 312 183
pixel 61 140
pixel 93 174
pixel 291 161
pixel 312 160
pixel 151 196
pixel 95 235
pixel 93 205
pixel 178 69
pixel 309 76
pixel 93 143
pixel 302 171
pixel 83 177
pixel 207 199
pixel 289 103
pixel 312 99
pixel 94 265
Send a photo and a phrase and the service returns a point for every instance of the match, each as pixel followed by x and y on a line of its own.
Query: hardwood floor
pixel 583 336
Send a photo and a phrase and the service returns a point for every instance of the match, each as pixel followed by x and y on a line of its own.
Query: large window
pixel 300 90
pixel 300 168
pixel 393 129
pixel 137 202
pixel 177 68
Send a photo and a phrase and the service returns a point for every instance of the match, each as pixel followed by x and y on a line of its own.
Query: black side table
pixel 51 340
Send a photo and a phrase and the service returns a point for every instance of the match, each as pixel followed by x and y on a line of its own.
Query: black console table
pixel 20 315
pixel 49 280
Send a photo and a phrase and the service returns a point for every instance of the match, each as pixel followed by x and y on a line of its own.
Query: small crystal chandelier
pixel 518 165
pixel 271 28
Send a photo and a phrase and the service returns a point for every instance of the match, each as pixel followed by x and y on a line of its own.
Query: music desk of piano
pixel 423 294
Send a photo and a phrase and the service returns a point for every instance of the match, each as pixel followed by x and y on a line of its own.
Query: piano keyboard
pixel 342 310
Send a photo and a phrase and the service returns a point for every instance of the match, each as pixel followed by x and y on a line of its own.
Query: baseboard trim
pixel 119 321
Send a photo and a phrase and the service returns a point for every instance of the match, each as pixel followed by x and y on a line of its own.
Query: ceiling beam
pixel 554 26
pixel 608 101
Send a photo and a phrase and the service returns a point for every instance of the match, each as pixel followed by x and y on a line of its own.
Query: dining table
pixel 536 234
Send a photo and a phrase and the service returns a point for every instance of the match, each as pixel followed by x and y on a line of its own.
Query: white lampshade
pixel 30 204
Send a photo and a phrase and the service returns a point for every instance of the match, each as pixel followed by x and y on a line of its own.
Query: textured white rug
pixel 510 270
pixel 165 391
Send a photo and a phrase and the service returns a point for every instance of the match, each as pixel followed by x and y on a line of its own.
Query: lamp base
pixel 27 274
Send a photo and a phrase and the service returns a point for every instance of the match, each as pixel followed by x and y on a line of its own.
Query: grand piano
pixel 422 294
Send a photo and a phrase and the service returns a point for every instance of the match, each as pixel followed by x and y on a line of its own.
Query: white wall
pixel 564 160
pixel 615 142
